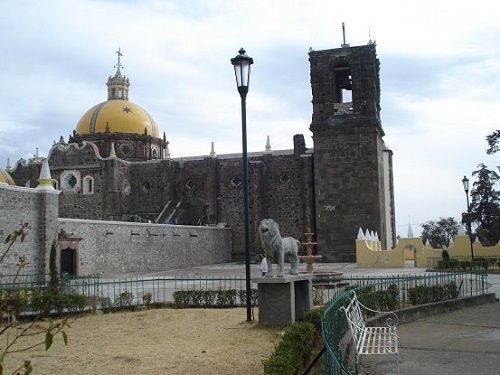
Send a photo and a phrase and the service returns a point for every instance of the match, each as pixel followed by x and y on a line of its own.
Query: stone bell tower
pixel 352 165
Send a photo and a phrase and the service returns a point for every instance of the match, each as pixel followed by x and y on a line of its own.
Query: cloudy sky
pixel 440 78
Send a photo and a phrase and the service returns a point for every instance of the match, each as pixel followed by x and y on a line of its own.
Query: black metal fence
pixel 389 293
pixel 120 292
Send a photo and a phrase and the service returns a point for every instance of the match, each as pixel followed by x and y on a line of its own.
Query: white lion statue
pixel 276 248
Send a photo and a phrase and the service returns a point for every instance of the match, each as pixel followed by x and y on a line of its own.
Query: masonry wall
pixel 40 210
pixel 111 248
pixel 349 168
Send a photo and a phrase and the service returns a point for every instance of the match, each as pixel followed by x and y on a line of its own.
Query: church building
pixel 116 166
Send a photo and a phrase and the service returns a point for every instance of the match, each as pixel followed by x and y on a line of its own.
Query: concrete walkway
pixel 465 341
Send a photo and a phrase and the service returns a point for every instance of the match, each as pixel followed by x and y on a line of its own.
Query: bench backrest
pixel 355 319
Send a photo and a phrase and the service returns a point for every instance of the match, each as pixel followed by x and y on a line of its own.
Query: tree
pixel 12 301
pixel 485 205
pixel 493 140
pixel 440 232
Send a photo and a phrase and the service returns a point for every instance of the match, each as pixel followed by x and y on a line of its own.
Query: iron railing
pixel 111 291
pixel 388 293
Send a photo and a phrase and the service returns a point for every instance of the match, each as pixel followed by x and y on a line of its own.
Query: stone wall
pixel 371 253
pixel 103 246
pixel 112 248
pixel 39 209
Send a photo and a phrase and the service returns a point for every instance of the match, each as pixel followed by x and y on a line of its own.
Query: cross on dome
pixel 118 64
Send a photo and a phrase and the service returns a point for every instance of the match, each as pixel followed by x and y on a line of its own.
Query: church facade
pixel 116 166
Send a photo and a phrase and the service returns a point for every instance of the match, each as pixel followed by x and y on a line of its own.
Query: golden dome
pixel 6 178
pixel 117 116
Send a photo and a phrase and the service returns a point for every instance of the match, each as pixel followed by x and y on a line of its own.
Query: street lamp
pixel 465 182
pixel 241 65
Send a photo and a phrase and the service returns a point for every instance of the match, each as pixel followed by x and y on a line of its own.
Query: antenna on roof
pixel 370 41
pixel 344 44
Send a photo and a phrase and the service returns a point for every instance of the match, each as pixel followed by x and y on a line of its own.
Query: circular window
pixel 72 181
pixel 126 149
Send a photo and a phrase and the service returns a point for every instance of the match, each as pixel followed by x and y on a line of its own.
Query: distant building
pixel 115 166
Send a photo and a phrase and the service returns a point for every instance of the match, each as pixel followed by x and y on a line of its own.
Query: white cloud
pixel 440 65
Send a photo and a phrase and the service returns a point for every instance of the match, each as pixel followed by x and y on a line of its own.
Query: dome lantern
pixel 119 84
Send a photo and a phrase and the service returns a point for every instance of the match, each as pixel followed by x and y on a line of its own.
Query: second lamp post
pixel 465 182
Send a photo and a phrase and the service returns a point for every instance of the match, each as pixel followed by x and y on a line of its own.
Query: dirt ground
pixel 160 341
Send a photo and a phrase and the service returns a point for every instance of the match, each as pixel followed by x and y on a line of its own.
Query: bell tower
pixel 352 165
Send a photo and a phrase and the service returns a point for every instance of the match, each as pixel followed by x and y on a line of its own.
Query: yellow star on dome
pixel 127 109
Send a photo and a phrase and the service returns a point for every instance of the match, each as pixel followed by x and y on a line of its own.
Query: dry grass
pixel 164 341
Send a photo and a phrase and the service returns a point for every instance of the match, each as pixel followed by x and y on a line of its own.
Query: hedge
pixel 293 352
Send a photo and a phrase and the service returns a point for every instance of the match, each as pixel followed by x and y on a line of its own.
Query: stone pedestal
pixel 283 300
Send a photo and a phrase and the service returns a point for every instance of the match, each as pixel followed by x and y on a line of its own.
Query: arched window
pixel 88 185
pixel 55 184
pixel 155 153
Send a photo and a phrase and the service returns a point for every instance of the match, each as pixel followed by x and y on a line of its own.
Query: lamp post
pixel 465 182
pixel 241 65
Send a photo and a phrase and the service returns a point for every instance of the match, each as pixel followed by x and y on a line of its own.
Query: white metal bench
pixel 371 340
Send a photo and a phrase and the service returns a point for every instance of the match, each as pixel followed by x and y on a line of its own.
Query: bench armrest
pixel 391 321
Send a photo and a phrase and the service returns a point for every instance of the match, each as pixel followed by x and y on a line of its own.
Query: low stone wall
pixel 369 253
pixel 111 248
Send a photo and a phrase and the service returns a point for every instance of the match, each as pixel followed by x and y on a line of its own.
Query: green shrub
pixel 44 301
pixel 313 316
pixel 450 290
pixel 293 351
pixel 182 297
pixel 422 294
pixel 369 298
pixel 222 298
pixel 41 302
pixel 125 300
pixel 208 297
pixel 14 301
pixel 231 297
pixel 146 299
pixel 254 296
pixel 76 302
pixel 196 297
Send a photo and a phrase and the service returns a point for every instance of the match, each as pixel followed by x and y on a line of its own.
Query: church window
pixel 55 184
pixel 126 149
pixel 146 187
pixel 88 185
pixel 343 84
pixel 70 180
pixel 189 184
pixel 155 153
pixel 236 181
pixel 343 88
pixel 285 179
